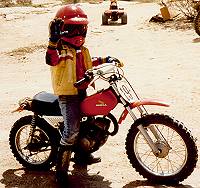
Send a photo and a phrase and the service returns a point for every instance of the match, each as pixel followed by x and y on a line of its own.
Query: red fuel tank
pixel 99 104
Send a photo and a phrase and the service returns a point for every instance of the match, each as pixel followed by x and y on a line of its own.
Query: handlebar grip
pixel 80 82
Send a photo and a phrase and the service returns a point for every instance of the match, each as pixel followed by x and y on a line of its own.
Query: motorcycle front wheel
pixel 197 23
pixel 34 148
pixel 178 151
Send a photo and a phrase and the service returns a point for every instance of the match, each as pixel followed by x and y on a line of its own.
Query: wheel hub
pixel 38 141
pixel 36 145
pixel 163 148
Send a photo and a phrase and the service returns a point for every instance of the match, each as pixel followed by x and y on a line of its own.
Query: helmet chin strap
pixel 76 41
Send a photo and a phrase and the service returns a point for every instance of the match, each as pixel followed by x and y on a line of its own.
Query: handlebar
pixel 100 71
pixel 79 83
pixel 87 78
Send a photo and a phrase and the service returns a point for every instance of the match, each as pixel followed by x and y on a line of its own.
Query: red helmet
pixel 75 24
pixel 72 14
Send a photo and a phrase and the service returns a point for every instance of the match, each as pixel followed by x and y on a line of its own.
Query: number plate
pixel 126 91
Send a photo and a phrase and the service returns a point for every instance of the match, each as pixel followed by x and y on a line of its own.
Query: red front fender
pixel 139 103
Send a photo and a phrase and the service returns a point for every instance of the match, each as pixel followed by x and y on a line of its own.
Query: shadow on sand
pixel 141 183
pixel 113 23
pixel 79 178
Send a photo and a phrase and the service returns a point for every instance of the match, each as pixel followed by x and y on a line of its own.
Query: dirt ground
pixel 161 61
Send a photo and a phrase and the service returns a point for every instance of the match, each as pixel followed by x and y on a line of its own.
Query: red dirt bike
pixel 159 147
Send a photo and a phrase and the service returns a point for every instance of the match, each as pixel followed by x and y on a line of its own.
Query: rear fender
pixel 24 104
pixel 140 103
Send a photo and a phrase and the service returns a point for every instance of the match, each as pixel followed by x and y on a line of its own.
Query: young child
pixel 69 60
pixel 113 4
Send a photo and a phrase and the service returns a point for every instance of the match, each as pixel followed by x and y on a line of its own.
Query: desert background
pixel 161 60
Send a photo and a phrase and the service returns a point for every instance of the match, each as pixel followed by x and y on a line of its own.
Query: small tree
pixel 24 2
pixel 6 3
pixel 185 7
pixel 70 1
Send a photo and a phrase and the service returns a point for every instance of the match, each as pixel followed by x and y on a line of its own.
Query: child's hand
pixel 54 29
pixel 120 64
pixel 113 59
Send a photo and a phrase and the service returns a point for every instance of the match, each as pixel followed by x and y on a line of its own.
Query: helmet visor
pixel 72 30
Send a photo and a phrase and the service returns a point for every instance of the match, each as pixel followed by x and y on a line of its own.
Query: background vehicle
pixel 158 146
pixel 114 14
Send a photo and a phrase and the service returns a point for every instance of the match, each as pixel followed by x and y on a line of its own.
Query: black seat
pixel 46 104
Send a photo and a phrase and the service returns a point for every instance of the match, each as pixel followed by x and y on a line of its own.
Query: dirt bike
pixel 158 146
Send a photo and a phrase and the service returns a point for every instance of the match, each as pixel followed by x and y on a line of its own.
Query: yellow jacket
pixel 64 73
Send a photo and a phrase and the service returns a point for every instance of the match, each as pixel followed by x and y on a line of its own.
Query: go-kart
pixel 113 14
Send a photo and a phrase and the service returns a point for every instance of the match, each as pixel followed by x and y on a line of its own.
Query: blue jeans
pixel 70 109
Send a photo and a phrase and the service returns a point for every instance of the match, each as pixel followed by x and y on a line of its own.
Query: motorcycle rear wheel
pixel 175 164
pixel 197 23
pixel 39 153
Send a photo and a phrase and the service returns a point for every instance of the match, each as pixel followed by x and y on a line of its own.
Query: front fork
pixel 157 134
pixel 148 139
pixel 154 131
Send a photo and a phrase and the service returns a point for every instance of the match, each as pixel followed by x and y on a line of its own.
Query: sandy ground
pixel 161 61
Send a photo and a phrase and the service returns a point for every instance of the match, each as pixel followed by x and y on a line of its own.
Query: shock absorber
pixel 32 127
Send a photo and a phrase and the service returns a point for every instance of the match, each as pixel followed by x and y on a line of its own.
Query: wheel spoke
pixel 146 155
pixel 34 153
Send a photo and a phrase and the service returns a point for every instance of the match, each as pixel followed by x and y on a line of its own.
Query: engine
pixel 93 133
